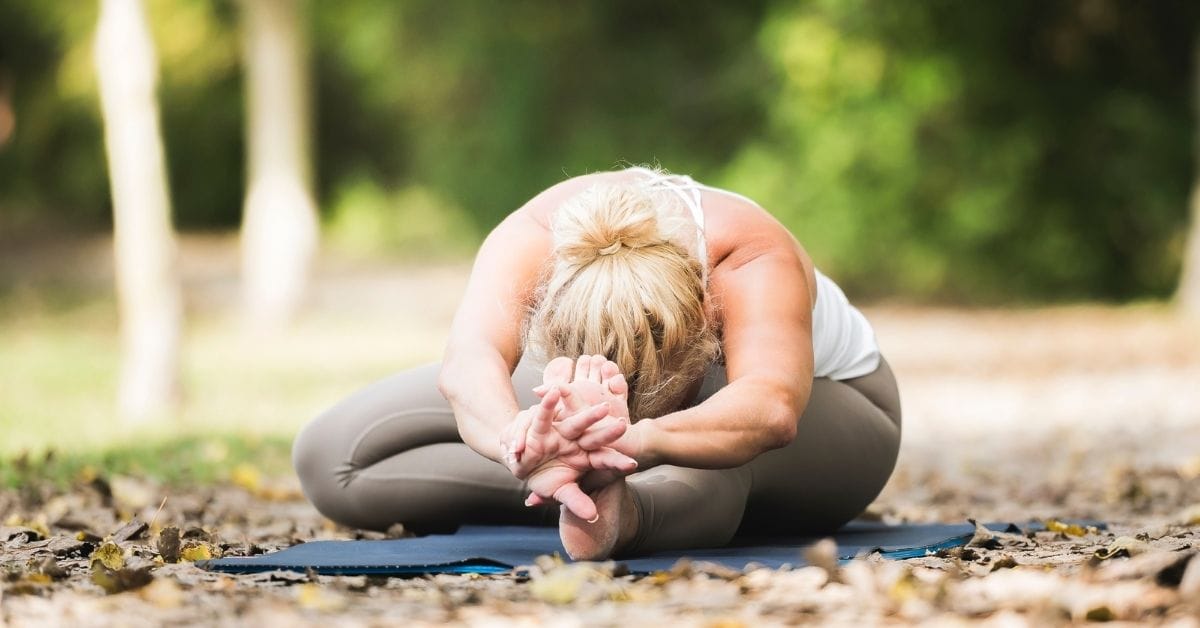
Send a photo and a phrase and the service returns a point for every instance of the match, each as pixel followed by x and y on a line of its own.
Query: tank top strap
pixel 689 191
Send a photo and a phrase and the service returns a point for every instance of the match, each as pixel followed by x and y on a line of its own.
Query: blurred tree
pixel 279 227
pixel 1188 294
pixel 147 280
pixel 980 151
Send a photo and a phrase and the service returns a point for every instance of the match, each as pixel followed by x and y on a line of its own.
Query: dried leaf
pixel 50 567
pixel 19 533
pixel 1122 546
pixel 163 593
pixel 983 537
pixel 1189 583
pixel 824 554
pixel 168 544
pixel 314 597
pixel 1069 529
pixel 110 555
pixel 565 584
pixel 194 551
pixel 131 530
pixel 119 580
pixel 1004 562
pixel 1100 613
pixel 246 476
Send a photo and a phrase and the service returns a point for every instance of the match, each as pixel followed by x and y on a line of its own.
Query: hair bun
pixel 606 220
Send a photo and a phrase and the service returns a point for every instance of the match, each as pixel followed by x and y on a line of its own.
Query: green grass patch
pixel 182 461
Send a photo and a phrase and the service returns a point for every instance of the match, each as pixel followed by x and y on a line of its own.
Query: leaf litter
pixel 1142 567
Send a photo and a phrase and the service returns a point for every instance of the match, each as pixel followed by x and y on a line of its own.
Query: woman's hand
pixel 556 452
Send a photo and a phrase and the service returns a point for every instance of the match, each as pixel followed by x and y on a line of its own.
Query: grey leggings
pixel 391 453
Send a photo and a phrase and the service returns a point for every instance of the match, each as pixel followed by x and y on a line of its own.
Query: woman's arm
pixel 485 337
pixel 767 336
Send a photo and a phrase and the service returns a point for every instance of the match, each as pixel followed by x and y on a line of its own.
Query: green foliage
pixel 186 460
pixel 414 222
pixel 982 151
pixel 937 150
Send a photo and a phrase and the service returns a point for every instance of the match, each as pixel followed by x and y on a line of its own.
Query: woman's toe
pixel 558 371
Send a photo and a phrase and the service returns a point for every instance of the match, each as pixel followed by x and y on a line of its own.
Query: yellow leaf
pixel 110 555
pixel 1069 529
pixel 1190 515
pixel 87 474
pixel 314 597
pixel 246 476
pixel 193 552
pixel 163 593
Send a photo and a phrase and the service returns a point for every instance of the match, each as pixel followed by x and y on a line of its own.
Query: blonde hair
pixel 625 282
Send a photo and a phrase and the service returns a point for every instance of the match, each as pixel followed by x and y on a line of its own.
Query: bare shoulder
pixel 742 236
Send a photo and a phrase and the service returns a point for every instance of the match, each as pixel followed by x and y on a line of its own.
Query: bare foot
pixel 589 380
pixel 610 533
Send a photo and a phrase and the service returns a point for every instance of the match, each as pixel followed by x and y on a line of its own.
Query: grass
pixel 244 395
pixel 178 461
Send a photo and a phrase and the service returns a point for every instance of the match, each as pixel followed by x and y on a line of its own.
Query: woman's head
pixel 626 283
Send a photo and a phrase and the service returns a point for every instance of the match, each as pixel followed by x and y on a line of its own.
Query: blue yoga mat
pixel 496 549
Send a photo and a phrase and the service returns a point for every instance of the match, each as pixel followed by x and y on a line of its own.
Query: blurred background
pixel 219 217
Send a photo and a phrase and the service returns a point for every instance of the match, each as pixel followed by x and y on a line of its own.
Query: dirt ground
pixel 1023 415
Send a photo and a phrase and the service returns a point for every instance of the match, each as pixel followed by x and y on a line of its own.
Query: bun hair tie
pixel 610 249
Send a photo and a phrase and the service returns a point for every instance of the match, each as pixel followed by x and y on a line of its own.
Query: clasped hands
pixel 572 438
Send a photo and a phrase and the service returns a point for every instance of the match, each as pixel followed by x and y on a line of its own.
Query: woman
pixel 705 379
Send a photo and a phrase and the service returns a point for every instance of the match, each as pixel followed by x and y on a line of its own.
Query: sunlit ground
pixel 58 330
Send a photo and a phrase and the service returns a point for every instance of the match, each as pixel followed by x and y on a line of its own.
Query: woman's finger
pixel 575 500
pixel 571 402
pixel 611 460
pixel 575 425
pixel 603 433
pixel 543 414
pixel 534 500
pixel 520 428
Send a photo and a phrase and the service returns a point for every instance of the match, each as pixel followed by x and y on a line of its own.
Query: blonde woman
pixel 646 361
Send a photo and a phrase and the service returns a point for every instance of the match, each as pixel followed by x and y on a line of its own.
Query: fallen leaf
pixel 194 551
pixel 246 476
pixel 1004 562
pixel 110 555
pixel 50 567
pixel 983 537
pixel 1069 529
pixel 824 554
pixel 314 597
pixel 168 544
pixel 163 593
pixel 1189 584
pixel 1122 546
pixel 119 580
pixel 131 530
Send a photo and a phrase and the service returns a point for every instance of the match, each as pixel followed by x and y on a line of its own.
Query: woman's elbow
pixel 781 425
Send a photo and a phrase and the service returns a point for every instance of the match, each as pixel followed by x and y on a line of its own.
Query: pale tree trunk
pixel 1188 294
pixel 148 288
pixel 279 226
pixel 1189 280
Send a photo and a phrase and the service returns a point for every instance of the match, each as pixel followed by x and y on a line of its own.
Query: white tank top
pixel 844 344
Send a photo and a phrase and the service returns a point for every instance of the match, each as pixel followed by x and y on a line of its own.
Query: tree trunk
pixel 1188 294
pixel 148 289
pixel 279 226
